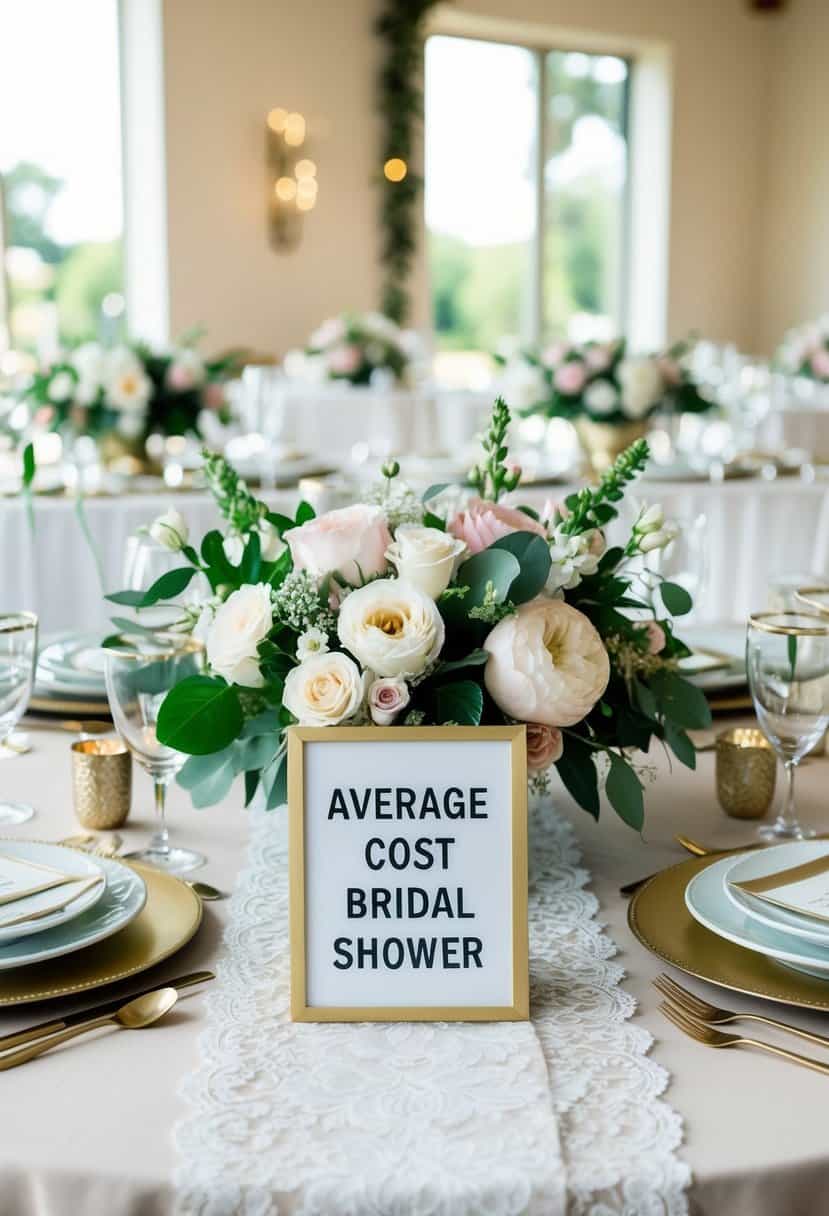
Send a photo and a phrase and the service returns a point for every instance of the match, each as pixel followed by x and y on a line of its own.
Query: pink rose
pixel 598 357
pixel 544 746
pixel 214 395
pixel 350 542
pixel 344 360
pixel 554 353
pixel 180 377
pixel 820 363
pixel 387 698
pixel 570 378
pixel 482 523
pixel 656 637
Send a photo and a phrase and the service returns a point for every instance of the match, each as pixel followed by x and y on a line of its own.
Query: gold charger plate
pixel 73 707
pixel 659 919
pixel 168 920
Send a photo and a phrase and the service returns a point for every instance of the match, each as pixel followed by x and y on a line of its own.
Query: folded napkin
pixel 30 890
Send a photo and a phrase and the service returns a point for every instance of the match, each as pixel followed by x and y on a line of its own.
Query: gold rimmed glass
pixel 813 599
pixel 787 660
pixel 18 659
pixel 138 677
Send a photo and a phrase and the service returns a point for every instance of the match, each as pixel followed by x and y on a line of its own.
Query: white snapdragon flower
pixel 312 641
pixel 573 558
pixel 651 531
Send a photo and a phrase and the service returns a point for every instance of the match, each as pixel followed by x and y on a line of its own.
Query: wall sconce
pixel 292 178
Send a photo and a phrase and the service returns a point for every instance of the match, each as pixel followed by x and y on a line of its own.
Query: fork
pixel 715 1038
pixel 698 1008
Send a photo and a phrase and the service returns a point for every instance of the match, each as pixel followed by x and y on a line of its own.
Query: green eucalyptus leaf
pixel 681 701
pixel 578 772
pixel 680 744
pixel 434 490
pixel 462 702
pixel 495 566
pixel 475 658
pixel 676 599
pixel 624 792
pixel 251 786
pixel 200 715
pixel 434 521
pixel 533 555
pixel 29 466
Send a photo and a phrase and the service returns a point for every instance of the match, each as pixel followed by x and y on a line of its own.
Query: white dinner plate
pixel 708 903
pixel 120 903
pixel 71 665
pixel 729 640
pixel 67 861
pixel 761 862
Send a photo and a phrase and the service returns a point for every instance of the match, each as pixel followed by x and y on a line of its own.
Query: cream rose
pixel 324 690
pixel 351 542
pixel 241 623
pixel 546 664
pixel 387 697
pixel 391 628
pixel 425 557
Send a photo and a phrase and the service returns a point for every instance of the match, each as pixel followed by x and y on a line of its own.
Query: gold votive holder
pixel 101 783
pixel 746 768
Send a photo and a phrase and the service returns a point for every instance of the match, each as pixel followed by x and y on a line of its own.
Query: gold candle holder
pixel 746 767
pixel 101 782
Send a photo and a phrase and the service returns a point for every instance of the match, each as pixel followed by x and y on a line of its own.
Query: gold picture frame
pixel 518 1009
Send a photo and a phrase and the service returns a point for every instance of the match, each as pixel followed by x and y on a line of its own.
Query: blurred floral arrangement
pixel 357 348
pixel 601 382
pixel 434 610
pixel 804 351
pixel 130 391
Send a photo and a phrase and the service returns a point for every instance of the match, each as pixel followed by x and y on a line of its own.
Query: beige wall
pixel 227 62
pixel 795 249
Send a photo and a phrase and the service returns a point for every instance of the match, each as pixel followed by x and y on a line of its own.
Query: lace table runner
pixel 559 1114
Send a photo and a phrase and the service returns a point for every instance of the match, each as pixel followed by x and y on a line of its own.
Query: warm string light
pixel 395 169
pixel 295 186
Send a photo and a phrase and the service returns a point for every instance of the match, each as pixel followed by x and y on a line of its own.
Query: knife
pixel 97 1011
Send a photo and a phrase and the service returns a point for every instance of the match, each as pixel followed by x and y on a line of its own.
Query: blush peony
pixel 546 664
pixel 482 523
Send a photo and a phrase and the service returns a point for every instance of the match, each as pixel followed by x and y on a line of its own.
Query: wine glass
pixel 787 659
pixel 138 678
pixel 18 659
pixel 685 559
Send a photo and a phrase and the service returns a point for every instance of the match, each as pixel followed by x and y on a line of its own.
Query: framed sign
pixel 408 873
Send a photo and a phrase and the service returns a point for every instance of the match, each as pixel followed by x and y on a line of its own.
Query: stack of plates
pixel 129 920
pixel 717 664
pixel 717 899
pixel 70 675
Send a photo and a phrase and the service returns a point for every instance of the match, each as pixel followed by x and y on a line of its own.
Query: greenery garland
pixel 400 101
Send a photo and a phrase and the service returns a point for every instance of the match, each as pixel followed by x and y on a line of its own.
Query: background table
pixel 755 531
pixel 86 1132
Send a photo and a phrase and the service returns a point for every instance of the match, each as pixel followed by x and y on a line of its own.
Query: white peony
pixel 61 387
pixel 601 397
pixel 241 623
pixel 324 690
pixel 641 384
pixel 425 557
pixel 546 664
pixel 391 628
pixel 170 530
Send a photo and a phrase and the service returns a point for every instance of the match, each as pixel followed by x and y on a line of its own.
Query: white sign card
pixel 408 873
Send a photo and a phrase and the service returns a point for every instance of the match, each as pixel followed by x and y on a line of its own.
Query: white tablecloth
pixel 756 531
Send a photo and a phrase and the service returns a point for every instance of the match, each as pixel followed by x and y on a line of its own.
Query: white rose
pixel 128 387
pixel 391 628
pixel 170 530
pixel 641 385
pixel 386 699
pixel 61 387
pixel 547 664
pixel 601 397
pixel 425 557
pixel 241 623
pixel 324 690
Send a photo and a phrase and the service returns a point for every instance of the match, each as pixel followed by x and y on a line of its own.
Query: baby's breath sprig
pixel 233 498
pixel 492 477
pixel 591 508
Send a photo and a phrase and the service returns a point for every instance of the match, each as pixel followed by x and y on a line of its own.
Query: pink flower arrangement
pixel 570 378
pixel 482 523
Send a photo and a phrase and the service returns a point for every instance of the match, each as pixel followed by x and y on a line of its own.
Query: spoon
pixel 135 1015
pixel 206 892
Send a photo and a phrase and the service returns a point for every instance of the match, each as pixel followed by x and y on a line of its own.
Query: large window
pixel 526 171
pixel 60 168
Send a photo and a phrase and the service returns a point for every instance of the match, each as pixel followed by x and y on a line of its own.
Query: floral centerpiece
pixel 129 391
pixel 356 348
pixel 607 393
pixel 395 610
pixel 804 351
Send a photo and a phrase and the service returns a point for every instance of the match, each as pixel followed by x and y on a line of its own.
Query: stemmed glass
pixel 787 659
pixel 138 677
pixel 18 659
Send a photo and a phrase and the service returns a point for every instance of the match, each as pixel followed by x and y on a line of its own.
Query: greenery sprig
pixel 493 477
pixel 233 498
pixel 400 103
pixel 591 508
